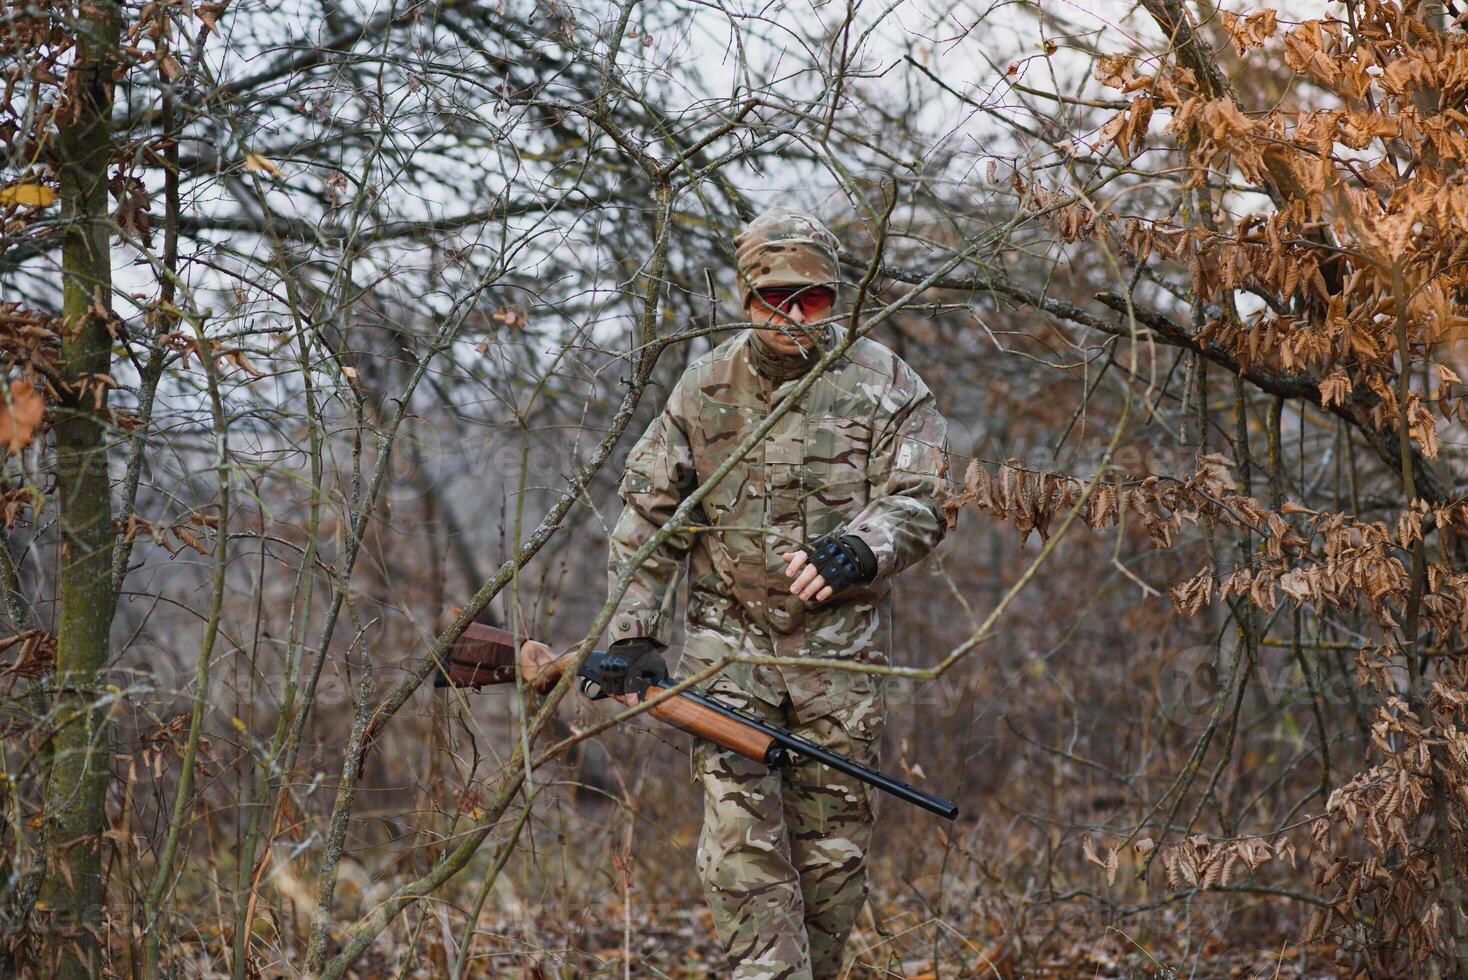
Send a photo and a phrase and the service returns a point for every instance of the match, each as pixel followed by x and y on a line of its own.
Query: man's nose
pixel 795 311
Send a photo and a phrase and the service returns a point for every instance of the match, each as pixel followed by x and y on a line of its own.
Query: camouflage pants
pixel 783 854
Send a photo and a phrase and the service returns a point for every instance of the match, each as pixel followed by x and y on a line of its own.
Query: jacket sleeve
pixel 659 474
pixel 903 520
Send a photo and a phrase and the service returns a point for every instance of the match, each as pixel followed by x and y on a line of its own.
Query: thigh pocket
pixel 859 712
pixel 828 800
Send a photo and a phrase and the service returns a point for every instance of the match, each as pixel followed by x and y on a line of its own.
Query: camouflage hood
pixel 785 247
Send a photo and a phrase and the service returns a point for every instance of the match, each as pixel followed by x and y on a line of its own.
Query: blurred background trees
pixel 323 329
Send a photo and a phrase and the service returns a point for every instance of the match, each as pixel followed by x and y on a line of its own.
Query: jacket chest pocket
pixel 785 489
pixel 720 430
pixel 834 472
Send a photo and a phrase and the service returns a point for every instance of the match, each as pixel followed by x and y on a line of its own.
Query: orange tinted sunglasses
pixel 812 299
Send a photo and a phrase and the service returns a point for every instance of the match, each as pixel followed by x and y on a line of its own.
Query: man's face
pixel 790 308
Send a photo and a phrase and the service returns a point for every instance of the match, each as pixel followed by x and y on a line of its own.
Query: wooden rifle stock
pixel 695 719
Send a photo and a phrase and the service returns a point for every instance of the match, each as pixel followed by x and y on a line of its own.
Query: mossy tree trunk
pixel 71 897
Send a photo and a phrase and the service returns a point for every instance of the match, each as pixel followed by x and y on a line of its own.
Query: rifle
pixel 487 655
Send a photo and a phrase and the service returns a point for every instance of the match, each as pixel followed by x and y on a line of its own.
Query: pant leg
pixel 830 817
pixel 751 886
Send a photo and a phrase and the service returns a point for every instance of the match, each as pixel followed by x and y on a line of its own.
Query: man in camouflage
pixel 854 466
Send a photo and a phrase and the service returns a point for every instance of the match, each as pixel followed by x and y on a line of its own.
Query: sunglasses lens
pixel 811 300
pixel 815 300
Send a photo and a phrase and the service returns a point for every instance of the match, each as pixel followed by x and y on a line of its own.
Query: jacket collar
pixel 780 367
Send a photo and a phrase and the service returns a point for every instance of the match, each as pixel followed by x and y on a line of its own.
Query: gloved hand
pixel 640 653
pixel 829 566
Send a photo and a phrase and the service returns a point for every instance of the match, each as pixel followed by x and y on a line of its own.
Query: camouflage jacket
pixel 862 453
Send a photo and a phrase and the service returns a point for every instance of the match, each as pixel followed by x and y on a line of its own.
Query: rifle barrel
pixel 840 763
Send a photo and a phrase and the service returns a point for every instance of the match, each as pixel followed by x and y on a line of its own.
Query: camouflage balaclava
pixel 785 247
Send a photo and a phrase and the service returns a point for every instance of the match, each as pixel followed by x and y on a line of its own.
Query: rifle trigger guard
pixel 592 690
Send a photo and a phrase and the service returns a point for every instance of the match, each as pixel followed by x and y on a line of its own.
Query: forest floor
pixel 678 941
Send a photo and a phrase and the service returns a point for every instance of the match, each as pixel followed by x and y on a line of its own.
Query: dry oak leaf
pixel 1304 50
pixel 261 164
pixel 1215 474
pixel 20 415
pixel 1128 128
pixel 1334 388
pixel 209 13
pixel 1298 585
pixel 1119 71
pixel 1109 865
pixel 1423 429
pixel 511 316
pixel 1251 30
pixel 34 658
pixel 1193 594
pixel 28 195
pixel 170 68
pixel 238 359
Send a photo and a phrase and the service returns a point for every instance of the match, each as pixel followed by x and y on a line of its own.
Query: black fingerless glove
pixel 628 667
pixel 842 561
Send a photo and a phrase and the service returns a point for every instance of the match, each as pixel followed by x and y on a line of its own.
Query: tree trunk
pixel 71 898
